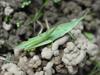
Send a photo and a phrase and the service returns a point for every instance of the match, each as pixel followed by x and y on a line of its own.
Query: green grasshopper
pixel 49 36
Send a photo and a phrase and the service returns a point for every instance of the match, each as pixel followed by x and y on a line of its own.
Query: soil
pixel 55 13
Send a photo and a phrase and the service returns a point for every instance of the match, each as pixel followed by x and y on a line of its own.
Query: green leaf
pixel 49 36
pixel 25 3
pixel 56 1
pixel 39 12
pixel 89 36
pixel 96 69
pixel 37 15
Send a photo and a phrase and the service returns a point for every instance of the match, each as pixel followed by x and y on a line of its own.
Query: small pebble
pixel 6 26
pixel 8 10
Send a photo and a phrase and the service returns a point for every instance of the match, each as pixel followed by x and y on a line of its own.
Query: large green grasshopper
pixel 49 36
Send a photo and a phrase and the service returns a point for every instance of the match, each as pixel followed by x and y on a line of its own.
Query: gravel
pixel 66 55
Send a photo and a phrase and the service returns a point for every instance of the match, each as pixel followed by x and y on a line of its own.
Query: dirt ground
pixel 17 25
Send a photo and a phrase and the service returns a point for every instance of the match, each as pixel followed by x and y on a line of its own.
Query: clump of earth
pixel 65 56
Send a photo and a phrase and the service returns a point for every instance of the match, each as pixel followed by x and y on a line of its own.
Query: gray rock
pixel 12 69
pixel 39 73
pixel 48 69
pixel 6 26
pixel 34 62
pixel 8 10
pixel 57 43
pixel 46 53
